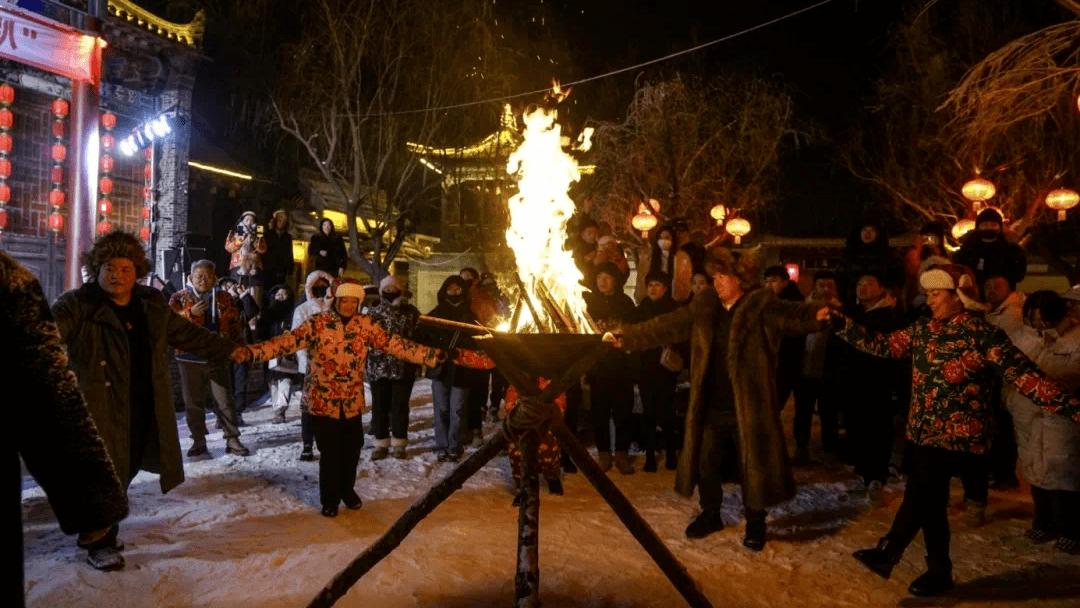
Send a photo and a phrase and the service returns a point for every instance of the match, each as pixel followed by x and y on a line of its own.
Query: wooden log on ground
pixel 638 527
pixel 527 581
pixel 412 516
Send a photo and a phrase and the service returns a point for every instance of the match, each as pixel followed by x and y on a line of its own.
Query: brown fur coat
pixel 760 321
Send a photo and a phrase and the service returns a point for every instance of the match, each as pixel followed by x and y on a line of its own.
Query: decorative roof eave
pixel 190 34
pixel 495 146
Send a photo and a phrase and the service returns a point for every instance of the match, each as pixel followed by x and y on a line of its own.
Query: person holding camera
pixel 246 247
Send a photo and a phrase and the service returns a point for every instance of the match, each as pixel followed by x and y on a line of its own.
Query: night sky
pixel 831 55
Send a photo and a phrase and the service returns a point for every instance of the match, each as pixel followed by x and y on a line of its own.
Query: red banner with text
pixel 49 45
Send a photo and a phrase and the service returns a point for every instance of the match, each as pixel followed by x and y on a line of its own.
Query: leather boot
pixel 671 460
pixel 937 579
pixel 622 463
pixel 568 465
pixel 604 460
pixel 755 530
pixel 880 559
pixel 705 524
pixel 650 462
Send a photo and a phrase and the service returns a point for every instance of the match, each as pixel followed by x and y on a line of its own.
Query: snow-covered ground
pixel 246 532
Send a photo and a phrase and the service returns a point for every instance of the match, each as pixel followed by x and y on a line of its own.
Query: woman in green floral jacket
pixel 954 354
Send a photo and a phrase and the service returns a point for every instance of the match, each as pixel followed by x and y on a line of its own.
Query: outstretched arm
pixel 665 330
pixel 287 343
pixel 1016 369
pixel 896 345
pixel 402 348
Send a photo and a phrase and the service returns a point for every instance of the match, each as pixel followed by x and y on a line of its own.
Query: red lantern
pixel 104 226
pixel 56 175
pixel 108 120
pixel 6 143
pixel 5 168
pixel 145 212
pixel 57 198
pixel 148 172
pixel 60 108
pixel 58 128
pixel 144 233
pixel 105 185
pixel 56 222
pixel 7 118
pixel 3 218
pixel 5 193
pixel 147 194
pixel 107 163
pixel 107 142
pixel 7 93
pixel 59 152
pixel 105 206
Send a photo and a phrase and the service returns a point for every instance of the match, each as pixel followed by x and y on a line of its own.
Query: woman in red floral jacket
pixel 954 355
pixel 338 342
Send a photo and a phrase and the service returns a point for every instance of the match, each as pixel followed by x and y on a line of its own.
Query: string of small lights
pixel 607 74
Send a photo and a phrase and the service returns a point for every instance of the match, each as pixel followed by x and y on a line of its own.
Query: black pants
pixel 612 398
pixel 1003 448
pixel 474 405
pixel 926 501
pixel 340 442
pixel 658 409
pixel 718 460
pixel 785 385
pixel 1056 512
pixel 307 428
pixel 808 392
pixel 869 432
pixel 390 407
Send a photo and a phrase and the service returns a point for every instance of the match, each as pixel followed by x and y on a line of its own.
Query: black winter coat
pixel 333 244
pixel 450 373
pixel 97 347
pixel 989 259
pixel 648 361
pixel 51 429
pixel 871 381
pixel 278 259
pixel 611 311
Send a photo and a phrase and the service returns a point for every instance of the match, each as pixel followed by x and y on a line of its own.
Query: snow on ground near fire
pixel 246 532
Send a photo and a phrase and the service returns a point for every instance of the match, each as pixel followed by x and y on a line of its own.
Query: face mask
pixel 390 296
pixel 455 300
pixel 318 291
pixel 988 236
pixel 665 244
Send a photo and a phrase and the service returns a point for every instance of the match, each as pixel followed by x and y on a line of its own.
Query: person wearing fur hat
pixel 611 380
pixel 278 260
pixel 608 251
pixel 955 354
pixel 391 378
pixel 245 239
pixel 733 420
pixel 987 252
pixel 117 335
pixel 339 341
pixel 327 248
pixel 318 300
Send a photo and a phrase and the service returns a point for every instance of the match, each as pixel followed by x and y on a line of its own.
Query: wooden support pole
pixel 638 527
pixel 420 509
pixel 528 302
pixel 564 322
pixel 516 318
pixel 527 581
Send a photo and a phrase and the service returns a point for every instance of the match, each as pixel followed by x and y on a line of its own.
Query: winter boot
pixel 329 511
pixel 568 465
pixel 198 448
pixel 937 579
pixel 399 452
pixel 671 460
pixel 307 455
pixel 240 419
pixel 478 438
pixel 1038 536
pixel 650 462
pixel 233 446
pixel 279 418
pixel 105 558
pixel 604 460
pixel 1068 545
pixel 705 524
pixel 881 559
pixel 379 453
pixel 352 500
pixel 755 531
pixel 974 513
pixel 555 487
pixel 622 463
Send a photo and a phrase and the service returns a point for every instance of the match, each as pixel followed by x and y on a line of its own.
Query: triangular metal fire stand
pixel 523 359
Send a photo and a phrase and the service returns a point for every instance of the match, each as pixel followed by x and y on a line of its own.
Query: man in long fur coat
pixel 734 334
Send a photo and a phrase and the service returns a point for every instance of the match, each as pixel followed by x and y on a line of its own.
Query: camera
pixel 259 231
